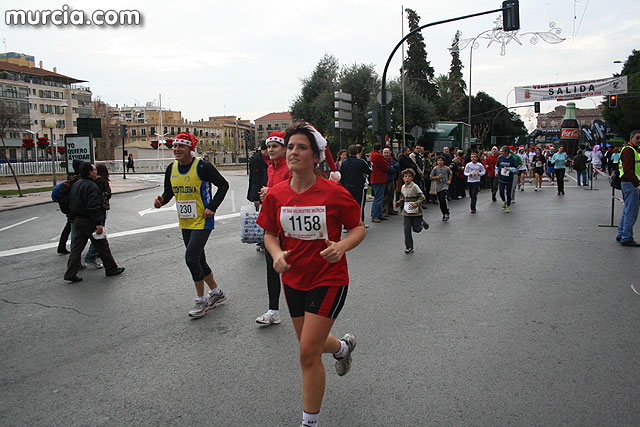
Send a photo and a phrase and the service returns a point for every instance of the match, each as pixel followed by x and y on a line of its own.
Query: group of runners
pixel 304 217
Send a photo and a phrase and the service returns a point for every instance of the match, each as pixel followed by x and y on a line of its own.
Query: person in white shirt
pixel 473 171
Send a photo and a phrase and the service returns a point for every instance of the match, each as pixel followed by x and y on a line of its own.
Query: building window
pixel 133 132
pixel 152 130
pixel 143 131
pixel 285 126
pixel 544 124
pixel 259 127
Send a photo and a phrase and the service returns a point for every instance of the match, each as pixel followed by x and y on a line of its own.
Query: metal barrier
pixel 157 165
pixel 31 168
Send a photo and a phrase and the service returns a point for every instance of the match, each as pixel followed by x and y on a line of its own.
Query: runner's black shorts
pixel 325 301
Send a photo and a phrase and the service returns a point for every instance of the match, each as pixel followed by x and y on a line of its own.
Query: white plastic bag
pixel 250 232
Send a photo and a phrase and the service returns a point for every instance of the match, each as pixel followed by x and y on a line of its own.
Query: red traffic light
pixel 613 101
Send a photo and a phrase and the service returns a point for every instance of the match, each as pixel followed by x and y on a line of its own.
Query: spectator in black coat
pixel 87 211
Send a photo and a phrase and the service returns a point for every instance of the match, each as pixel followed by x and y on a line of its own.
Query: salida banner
pixel 572 90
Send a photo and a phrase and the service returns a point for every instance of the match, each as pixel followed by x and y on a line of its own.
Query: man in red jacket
pixel 378 182
pixel 490 166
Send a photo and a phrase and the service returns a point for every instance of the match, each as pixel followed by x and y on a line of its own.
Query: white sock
pixel 201 299
pixel 272 311
pixel 214 291
pixel 344 350
pixel 310 419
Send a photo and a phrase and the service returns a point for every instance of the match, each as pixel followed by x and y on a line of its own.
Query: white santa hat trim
pixel 320 141
pixel 182 141
pixel 275 139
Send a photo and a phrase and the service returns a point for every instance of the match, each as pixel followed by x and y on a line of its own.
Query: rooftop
pixel 275 116
pixel 36 71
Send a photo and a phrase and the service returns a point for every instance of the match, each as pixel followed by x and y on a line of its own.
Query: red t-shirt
pixel 329 201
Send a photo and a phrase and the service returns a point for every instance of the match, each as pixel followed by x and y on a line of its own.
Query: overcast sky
pixel 246 58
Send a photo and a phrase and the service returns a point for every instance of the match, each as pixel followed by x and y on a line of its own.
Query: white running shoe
pixel 199 309
pixel 269 318
pixel 344 365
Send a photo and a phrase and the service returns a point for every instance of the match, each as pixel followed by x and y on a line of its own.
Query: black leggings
pixel 560 179
pixel 273 283
pixel 195 241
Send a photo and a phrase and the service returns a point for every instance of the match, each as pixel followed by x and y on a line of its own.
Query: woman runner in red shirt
pixel 308 213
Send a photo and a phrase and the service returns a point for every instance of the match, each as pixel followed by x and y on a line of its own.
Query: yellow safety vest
pixel 637 161
pixel 192 196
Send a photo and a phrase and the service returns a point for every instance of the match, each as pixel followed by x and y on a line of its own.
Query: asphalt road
pixel 519 319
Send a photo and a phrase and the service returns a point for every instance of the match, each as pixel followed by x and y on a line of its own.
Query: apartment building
pixel 271 122
pixel 40 94
pixel 145 132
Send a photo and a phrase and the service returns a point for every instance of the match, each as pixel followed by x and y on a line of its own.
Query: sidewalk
pixel 118 185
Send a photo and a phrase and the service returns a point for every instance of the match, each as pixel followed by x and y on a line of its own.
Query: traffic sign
pixel 379 97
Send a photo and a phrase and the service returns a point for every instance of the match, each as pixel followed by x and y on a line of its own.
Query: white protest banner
pixel 572 90
pixel 79 147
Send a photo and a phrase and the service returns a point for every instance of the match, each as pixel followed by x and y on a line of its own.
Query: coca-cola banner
pixel 573 90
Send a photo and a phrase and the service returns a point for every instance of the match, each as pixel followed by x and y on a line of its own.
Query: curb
pixel 11 208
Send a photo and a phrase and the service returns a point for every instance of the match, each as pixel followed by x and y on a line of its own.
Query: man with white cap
pixel 189 180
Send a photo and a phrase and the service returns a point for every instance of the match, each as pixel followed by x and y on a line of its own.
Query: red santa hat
pixel 186 138
pixel 275 136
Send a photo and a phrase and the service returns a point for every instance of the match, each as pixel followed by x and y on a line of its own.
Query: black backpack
pixel 614 179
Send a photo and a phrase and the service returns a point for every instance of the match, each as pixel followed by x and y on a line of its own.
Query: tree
pixel 491 118
pixel 451 101
pixel 362 82
pixel 626 116
pixel 418 110
pixel 11 118
pixel 455 84
pixel 416 67
pixel 314 104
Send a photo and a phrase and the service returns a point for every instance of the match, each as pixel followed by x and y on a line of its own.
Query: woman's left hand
pixel 333 253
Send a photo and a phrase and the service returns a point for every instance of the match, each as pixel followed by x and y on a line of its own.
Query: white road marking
pixel 233 200
pixel 19 223
pixel 139 195
pixel 35 248
pixel 154 210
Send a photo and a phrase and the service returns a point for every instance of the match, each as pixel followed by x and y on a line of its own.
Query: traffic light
pixel 372 120
pixel 613 101
pixel 248 136
pixel 510 15
pixel 536 107
pixel 123 131
pixel 244 135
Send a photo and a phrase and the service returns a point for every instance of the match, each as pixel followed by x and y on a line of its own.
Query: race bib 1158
pixel 304 222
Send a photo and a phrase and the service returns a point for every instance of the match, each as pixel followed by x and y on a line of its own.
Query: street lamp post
pixel 51 123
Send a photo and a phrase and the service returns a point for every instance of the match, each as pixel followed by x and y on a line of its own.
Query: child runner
pixel 473 171
pixel 303 219
pixel 411 198
pixel 441 174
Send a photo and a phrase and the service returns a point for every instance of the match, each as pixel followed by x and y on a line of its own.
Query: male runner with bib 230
pixel 189 179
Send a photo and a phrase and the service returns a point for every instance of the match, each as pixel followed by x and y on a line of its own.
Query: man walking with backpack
pixel 86 209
